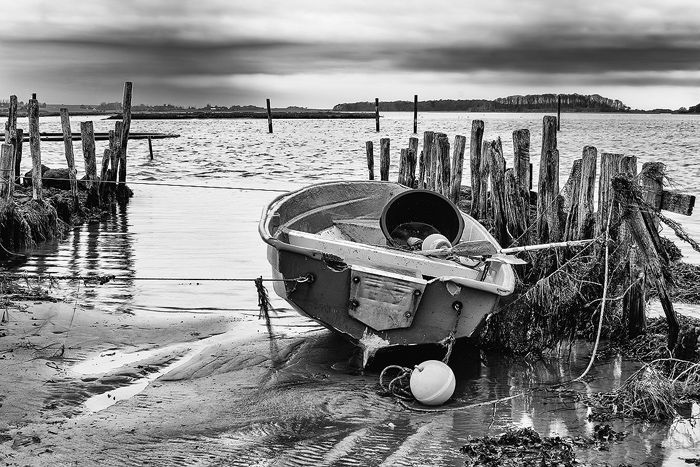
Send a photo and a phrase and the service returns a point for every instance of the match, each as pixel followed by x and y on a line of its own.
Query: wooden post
pixel 442 164
pixel 425 160
pixel 558 112
pixel 403 167
pixel 105 176
pixel 548 227
pixel 11 138
pixel 516 208
pixel 609 167
pixel 369 146
pixel 586 205
pixel 411 160
pixel 475 142
pixel 415 113
pixel 498 192
pixel 642 230
pixel 35 147
pixel 269 116
pixel 6 178
pixel 150 149
pixel 457 167
pixel 114 145
pixel 652 182
pixel 124 140
pixel 521 160
pixel 384 158
pixel 87 135
pixel 68 147
pixel 18 153
pixel 485 162
pixel 376 112
pixel 572 195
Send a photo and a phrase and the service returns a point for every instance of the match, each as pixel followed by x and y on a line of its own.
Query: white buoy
pixel 435 242
pixel 432 382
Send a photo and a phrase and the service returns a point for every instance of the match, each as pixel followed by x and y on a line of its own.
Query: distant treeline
pixel 529 103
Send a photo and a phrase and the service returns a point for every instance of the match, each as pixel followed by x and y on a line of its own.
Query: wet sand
pixel 214 389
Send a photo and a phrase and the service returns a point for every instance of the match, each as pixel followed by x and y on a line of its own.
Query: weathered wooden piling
pixel 6 178
pixel 586 205
pixel 18 153
pixel 35 147
pixel 484 164
pixel 609 167
pixel 269 116
pixel 376 112
pixel 457 167
pixel 475 142
pixel 548 226
pixel 103 188
pixel 369 147
pixel 384 159
pixel 126 119
pixel 652 183
pixel 425 164
pixel 88 140
pixel 517 207
pixel 415 113
pixel 571 194
pixel 413 159
pixel 640 225
pixel 150 149
pixel 12 139
pixel 442 164
pixel 498 194
pixel 521 160
pixel 68 149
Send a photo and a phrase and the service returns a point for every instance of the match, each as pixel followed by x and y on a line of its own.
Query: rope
pixel 178 185
pixel 104 279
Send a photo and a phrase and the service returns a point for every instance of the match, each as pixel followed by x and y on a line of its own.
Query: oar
pixel 488 249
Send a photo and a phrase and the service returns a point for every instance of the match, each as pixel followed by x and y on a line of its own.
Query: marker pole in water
pixel 376 112
pixel 415 113
pixel 269 116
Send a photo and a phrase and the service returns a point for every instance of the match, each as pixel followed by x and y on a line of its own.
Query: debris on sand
pixel 525 447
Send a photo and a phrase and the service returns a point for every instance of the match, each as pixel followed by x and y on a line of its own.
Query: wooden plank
pixel 457 167
pixel 609 167
pixel 498 193
pixel 384 159
pixel 572 194
pixel 475 148
pixel 548 225
pixel 369 148
pixel 586 204
pixel 68 149
pixel 675 201
pixel 35 148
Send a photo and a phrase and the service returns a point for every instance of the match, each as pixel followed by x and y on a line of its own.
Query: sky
pixel 316 54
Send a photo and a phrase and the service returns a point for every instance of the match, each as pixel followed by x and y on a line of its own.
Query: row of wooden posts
pixel 113 168
pixel 502 196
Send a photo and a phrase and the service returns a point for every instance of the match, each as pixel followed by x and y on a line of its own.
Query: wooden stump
pixel 369 147
pixel 521 162
pixel 457 167
pixel 586 204
pixel 6 179
pixel 87 135
pixel 411 160
pixel 122 195
pixel 70 158
pixel 516 209
pixel 384 158
pixel 442 164
pixel 475 148
pixel 18 154
pixel 35 148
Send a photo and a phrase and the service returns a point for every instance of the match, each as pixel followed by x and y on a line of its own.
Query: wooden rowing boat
pixel 356 282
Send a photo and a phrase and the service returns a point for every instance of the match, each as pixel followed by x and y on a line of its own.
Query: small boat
pixel 346 256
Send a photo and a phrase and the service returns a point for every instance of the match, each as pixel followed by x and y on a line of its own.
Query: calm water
pixel 191 233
